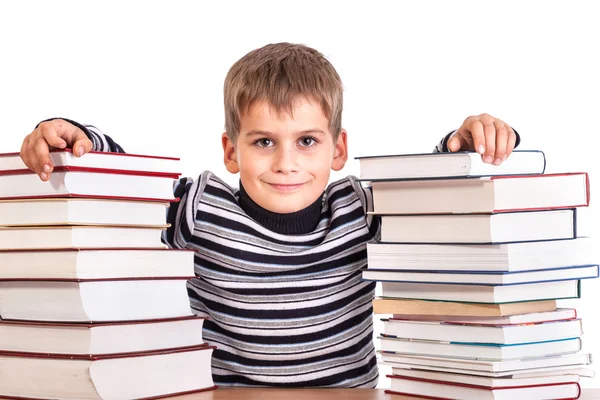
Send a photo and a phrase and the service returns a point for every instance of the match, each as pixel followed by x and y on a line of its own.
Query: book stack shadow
pixel 472 261
pixel 93 305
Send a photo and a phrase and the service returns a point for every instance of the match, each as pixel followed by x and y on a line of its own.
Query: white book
pixel 137 376
pixel 96 264
pixel 481 195
pixel 478 352
pixel 479 228
pixel 429 165
pixel 560 314
pixel 99 301
pixel 86 183
pixel 76 211
pixel 482 294
pixel 502 334
pixel 57 237
pixel 474 366
pixel 100 338
pixel 519 256
pixel 483 278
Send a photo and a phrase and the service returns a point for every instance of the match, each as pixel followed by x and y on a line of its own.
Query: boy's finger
pixel 456 143
pixel 477 134
pixel 501 142
pixel 42 157
pixel 82 145
pixel 512 140
pixel 490 141
pixel 49 133
pixel 25 153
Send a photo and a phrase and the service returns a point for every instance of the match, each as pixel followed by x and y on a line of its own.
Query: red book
pixel 132 376
pixel 439 390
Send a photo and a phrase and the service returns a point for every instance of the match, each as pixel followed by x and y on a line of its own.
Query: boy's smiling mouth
pixel 285 187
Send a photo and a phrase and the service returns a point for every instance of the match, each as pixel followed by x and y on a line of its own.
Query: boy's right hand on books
pixel 53 134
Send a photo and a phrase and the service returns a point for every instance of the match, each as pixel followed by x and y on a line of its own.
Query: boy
pixel 278 261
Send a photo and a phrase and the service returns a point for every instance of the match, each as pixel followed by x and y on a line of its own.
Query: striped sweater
pixel 287 310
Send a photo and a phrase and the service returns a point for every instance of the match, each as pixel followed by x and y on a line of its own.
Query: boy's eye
pixel 264 142
pixel 307 141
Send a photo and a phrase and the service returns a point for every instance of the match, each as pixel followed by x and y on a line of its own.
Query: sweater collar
pixel 296 223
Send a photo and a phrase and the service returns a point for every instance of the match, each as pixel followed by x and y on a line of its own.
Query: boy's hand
pixel 489 136
pixel 57 133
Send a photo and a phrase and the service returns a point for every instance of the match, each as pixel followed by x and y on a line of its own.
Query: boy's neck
pixel 296 223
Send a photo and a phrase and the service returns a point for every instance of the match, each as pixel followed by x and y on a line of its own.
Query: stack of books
pixel 92 303
pixel 472 260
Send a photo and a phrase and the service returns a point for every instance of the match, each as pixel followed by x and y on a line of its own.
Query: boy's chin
pixel 286 206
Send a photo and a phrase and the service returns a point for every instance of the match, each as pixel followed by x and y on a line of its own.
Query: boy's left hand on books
pixel 489 136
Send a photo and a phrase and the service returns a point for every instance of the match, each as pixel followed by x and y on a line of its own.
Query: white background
pixel 150 74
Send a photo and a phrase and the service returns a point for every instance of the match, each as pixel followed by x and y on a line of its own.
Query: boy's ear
pixel 340 155
pixel 229 156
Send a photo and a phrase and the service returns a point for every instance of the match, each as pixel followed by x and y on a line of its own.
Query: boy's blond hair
pixel 279 74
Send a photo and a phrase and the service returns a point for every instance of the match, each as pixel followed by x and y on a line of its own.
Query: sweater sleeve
pixel 100 141
pixel 442 146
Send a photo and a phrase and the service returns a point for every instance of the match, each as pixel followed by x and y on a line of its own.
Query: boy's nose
pixel 285 160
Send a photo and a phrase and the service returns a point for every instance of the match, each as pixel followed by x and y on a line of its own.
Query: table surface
pixel 316 394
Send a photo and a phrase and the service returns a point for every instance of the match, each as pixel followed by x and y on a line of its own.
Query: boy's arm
pixel 489 136
pixel 180 214
pixel 442 146
pixel 100 141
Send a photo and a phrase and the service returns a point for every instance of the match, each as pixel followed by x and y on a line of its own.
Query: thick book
pixel 131 376
pixel 483 294
pixel 471 333
pixel 81 211
pixel 519 256
pixel 478 351
pixel 482 195
pixel 100 338
pixel 12 162
pixel 488 368
pixel 59 237
pixel 401 306
pixel 88 182
pixel 98 301
pixel 438 165
pixel 482 277
pixel 439 390
pixel 97 264
pixel 510 381
pixel 560 314
pixel 480 228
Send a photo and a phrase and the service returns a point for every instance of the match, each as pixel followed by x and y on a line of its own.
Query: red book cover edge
pixel 92 324
pixel 70 168
pixel 80 249
pixel 92 357
pixel 75 280
pixel 85 196
pixel 144 398
pixel 69 150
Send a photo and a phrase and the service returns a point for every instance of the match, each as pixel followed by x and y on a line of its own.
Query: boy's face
pixel 284 161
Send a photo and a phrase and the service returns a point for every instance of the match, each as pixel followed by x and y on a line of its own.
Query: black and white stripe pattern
pixel 284 310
